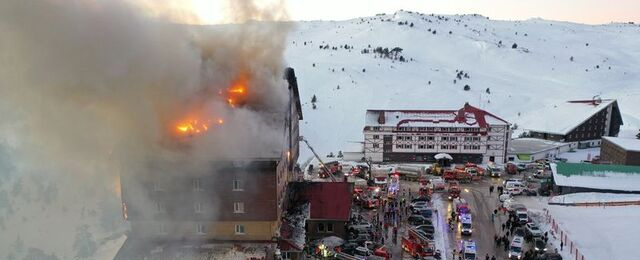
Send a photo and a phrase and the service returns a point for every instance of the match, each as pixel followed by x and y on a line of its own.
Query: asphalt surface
pixel 482 205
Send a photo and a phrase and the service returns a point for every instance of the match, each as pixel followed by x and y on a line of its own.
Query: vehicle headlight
pixel 509 255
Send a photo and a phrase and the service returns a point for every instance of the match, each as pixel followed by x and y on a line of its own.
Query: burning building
pixel 239 197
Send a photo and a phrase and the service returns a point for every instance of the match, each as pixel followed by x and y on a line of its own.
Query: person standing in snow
pixel 491 189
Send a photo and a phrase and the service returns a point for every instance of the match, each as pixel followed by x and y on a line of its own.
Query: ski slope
pixel 538 73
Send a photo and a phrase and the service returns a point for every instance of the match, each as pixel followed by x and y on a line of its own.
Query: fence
pixel 564 238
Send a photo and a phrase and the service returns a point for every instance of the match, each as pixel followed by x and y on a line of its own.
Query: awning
pixel 441 156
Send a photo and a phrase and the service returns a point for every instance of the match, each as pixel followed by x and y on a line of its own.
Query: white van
pixel 515 249
pixel 469 250
pixel 466 224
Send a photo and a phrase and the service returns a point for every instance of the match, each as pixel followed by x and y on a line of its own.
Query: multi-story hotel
pixel 229 200
pixel 468 134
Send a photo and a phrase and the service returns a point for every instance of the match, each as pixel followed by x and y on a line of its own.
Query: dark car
pixel 530 192
pixel 421 198
pixel 519 232
pixel 549 256
pixel 539 245
pixel 418 220
pixel 426 228
pixel 425 234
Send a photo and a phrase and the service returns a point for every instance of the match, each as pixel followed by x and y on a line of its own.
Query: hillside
pixel 552 62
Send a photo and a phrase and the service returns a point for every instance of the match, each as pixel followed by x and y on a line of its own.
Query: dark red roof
pixel 329 200
pixel 460 116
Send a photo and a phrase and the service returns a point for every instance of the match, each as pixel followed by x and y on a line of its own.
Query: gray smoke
pixel 92 88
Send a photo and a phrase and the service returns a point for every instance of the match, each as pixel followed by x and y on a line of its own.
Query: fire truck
pixel 449 175
pixel 416 244
pixel 454 190
pixel 461 206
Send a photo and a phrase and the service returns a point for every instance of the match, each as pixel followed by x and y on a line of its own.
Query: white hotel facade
pixel 469 134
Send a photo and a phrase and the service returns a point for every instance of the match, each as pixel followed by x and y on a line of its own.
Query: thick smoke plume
pixel 92 88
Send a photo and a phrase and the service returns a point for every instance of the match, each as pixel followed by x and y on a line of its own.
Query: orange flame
pixel 192 127
pixel 237 93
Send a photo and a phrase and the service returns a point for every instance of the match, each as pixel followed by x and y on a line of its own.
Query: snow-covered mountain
pixel 525 65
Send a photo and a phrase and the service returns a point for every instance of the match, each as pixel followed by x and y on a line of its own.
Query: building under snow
pixel 580 122
pixel 523 150
pixel 585 177
pixel 468 134
pixel 620 150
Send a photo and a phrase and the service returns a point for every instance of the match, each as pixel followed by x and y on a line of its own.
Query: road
pixel 482 205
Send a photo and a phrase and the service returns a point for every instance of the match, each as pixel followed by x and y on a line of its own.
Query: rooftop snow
pixel 597 176
pixel 563 117
pixel 628 144
pixel 467 116
pixel 532 145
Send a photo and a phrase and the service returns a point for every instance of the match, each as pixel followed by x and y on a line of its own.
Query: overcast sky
pixel 582 11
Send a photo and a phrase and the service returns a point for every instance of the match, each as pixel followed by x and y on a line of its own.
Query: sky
pixel 580 11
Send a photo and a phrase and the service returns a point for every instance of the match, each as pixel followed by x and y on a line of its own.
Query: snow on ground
pixel 580 155
pixel 594 197
pixel 598 232
pixel 537 73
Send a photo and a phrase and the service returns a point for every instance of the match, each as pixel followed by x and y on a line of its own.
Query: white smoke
pixel 89 88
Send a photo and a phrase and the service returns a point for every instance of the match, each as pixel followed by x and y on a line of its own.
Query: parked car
pixel 360 239
pixel 426 228
pixel 539 245
pixel 519 232
pixel 421 198
pixel 418 204
pixel 530 192
pixel 549 256
pixel 418 220
pixel 425 234
pixel 533 230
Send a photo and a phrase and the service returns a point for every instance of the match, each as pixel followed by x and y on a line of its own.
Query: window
pixel 238 185
pixel 430 138
pixel 286 255
pixel 453 147
pixel 200 229
pixel 430 129
pixel 329 227
pixel 421 146
pixel 321 228
pixel 198 207
pixel 430 146
pixel 453 138
pixel 398 146
pixel 422 138
pixel 376 136
pixel 444 138
pixel 240 229
pixel 422 128
pixel 408 146
pixel 443 147
pixel 160 206
pixel 162 229
pixel 376 145
pixel 197 185
pixel 238 207
pixel 157 186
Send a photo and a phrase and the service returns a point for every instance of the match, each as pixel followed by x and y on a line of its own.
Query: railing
pixel 564 238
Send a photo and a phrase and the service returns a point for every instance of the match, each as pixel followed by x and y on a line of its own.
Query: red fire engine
pixel 417 245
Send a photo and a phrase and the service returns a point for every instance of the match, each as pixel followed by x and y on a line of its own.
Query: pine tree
pixel 314 99
pixel 638 135
pixel 467 88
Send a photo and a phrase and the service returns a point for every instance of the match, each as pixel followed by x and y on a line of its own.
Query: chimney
pixel 381 118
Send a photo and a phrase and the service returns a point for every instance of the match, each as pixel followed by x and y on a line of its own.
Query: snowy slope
pixel 537 73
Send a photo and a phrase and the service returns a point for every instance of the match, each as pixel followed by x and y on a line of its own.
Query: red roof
pixel 329 200
pixel 479 116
